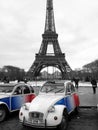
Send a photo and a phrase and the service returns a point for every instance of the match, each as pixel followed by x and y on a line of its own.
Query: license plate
pixel 35 121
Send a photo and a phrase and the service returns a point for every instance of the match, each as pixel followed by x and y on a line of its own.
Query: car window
pixel 72 88
pixel 26 89
pixel 54 88
pixel 68 88
pixel 18 91
pixel 32 90
pixel 6 88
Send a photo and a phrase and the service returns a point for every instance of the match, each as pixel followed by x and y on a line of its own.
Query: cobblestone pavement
pixel 86 120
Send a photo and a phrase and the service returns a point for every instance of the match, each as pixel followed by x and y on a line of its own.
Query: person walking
pixel 76 81
pixel 94 85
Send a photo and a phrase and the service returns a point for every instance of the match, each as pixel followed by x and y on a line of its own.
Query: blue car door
pixel 69 99
pixel 17 99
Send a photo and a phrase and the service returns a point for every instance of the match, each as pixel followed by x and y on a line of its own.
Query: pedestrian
pixel 94 85
pixel 76 80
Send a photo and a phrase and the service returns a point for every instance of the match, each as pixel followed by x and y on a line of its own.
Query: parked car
pixel 13 96
pixel 51 107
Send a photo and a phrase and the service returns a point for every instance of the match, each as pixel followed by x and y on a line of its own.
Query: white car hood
pixel 42 102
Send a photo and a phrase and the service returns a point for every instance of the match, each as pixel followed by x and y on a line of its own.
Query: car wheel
pixel 64 123
pixel 77 110
pixel 3 114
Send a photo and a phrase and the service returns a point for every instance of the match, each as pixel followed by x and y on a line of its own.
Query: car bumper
pixel 36 125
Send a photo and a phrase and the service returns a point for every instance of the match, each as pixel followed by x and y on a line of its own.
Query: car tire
pixel 64 123
pixel 3 113
pixel 77 110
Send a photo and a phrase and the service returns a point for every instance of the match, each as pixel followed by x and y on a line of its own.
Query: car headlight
pixel 26 106
pixel 51 109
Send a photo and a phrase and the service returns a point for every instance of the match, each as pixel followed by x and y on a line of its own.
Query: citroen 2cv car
pixel 51 107
pixel 13 96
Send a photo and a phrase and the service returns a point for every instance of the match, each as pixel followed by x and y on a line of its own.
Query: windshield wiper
pixel 59 90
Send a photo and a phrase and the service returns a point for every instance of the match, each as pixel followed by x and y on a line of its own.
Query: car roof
pixel 10 84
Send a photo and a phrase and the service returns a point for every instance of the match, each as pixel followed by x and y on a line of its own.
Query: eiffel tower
pixel 50 37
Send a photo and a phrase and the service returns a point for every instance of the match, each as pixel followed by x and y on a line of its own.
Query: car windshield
pixel 54 88
pixel 6 88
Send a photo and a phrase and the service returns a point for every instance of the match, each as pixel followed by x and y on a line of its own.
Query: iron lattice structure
pixel 50 37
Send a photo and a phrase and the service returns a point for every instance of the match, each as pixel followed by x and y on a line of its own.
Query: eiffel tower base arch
pixel 43 61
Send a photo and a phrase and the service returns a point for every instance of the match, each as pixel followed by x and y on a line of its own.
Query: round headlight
pixel 26 107
pixel 51 109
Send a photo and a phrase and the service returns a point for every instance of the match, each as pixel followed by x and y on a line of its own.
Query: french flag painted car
pixel 51 108
pixel 13 96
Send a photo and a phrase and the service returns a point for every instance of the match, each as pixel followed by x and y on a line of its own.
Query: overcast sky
pixel 22 25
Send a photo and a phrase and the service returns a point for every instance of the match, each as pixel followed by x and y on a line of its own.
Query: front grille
pixel 36 115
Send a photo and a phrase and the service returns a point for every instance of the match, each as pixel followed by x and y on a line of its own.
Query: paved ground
pixel 86 120
pixel 87 98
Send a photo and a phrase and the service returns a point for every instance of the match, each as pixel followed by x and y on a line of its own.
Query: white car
pixel 51 107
